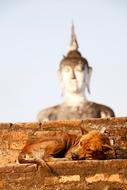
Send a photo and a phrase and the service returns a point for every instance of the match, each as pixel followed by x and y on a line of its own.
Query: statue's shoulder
pixel 49 113
pixel 105 111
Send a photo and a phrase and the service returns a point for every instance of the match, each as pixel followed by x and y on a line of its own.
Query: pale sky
pixel 34 36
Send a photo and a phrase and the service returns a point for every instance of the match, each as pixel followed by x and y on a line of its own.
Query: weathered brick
pixel 26 125
pixel 3 145
pixel 5 125
pixel 71 174
pixel 4 134
pixel 5 160
pixel 71 178
pixel 51 180
pixel 18 135
pixel 2 184
pixel 62 179
pixel 106 177
pixel 16 145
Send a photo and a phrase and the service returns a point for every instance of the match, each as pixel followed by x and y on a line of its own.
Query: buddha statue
pixel 74 74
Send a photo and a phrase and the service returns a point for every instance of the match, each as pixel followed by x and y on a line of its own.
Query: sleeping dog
pixel 65 146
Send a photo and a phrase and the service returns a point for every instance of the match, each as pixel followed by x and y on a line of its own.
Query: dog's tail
pixel 42 163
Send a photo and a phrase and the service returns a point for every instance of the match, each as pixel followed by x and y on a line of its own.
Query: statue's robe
pixel 83 111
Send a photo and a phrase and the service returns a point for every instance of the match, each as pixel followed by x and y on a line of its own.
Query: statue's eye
pixel 79 68
pixel 81 143
pixel 66 69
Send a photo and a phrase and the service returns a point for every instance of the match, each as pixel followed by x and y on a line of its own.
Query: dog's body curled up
pixel 92 145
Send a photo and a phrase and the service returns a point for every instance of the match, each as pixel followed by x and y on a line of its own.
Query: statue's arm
pixel 47 114
pixel 42 116
pixel 106 112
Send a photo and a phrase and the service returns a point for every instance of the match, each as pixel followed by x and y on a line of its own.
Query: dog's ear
pixel 103 130
pixel 83 131
pixel 107 147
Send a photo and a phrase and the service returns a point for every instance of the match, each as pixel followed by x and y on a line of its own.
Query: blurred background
pixel 34 36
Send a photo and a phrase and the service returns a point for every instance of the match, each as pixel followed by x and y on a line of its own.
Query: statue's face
pixel 73 77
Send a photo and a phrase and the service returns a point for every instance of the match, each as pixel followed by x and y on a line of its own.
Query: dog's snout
pixel 74 156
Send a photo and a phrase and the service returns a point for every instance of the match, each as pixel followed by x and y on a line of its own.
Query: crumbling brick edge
pixel 70 174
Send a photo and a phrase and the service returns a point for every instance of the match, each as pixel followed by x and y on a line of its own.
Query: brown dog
pixel 92 145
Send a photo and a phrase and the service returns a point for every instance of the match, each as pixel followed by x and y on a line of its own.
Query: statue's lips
pixel 73 85
pixel 73 82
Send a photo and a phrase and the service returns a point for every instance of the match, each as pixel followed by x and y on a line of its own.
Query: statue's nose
pixel 74 156
pixel 73 75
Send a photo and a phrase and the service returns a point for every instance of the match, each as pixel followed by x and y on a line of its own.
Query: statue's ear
pixel 88 77
pixel 61 82
pixel 59 74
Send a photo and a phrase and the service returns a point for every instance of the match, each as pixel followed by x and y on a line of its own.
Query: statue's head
pixel 74 70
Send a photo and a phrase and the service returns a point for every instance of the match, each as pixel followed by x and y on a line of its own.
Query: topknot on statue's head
pixel 73 57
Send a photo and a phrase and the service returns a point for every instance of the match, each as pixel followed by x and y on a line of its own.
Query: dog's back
pixel 46 148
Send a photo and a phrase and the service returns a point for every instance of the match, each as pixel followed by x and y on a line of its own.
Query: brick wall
pixel 100 175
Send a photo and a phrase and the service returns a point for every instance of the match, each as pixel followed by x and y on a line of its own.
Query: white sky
pixel 34 36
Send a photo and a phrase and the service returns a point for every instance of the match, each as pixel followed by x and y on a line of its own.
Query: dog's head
pixel 92 145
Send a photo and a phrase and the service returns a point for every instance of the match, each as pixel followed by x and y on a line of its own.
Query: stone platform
pixel 72 175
